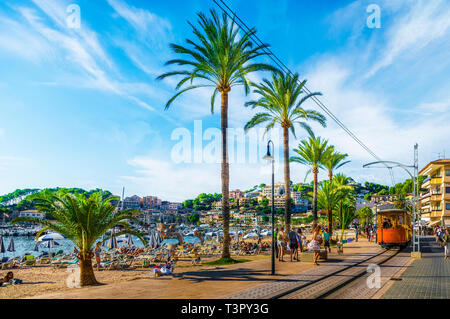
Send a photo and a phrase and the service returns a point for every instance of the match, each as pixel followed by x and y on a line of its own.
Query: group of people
pixel 369 230
pixel 295 241
pixel 443 238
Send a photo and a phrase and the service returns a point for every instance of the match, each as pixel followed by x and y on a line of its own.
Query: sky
pixel 81 107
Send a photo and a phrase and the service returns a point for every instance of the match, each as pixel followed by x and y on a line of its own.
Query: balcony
pixel 436 197
pixel 436 180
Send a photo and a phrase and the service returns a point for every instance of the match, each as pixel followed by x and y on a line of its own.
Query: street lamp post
pixel 270 157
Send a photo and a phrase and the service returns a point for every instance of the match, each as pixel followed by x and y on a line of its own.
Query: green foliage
pixel 202 202
pixel 194 218
pixel 25 195
pixel 365 215
pixel 18 194
pixel 281 102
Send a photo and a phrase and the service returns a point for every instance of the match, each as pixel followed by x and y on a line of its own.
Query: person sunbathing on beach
pixel 7 278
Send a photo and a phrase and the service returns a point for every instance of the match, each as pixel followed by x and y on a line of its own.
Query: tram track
pixel 331 283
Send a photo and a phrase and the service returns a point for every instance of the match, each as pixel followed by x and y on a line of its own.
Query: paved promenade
pixel 309 277
pixel 425 278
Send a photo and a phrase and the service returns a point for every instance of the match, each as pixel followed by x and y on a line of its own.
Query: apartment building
pixel 237 194
pixel 133 202
pixel 278 190
pixel 149 202
pixel 435 200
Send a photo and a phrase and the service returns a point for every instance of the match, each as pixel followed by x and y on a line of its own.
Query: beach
pixel 188 281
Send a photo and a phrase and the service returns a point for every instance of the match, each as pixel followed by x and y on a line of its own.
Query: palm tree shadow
pixel 223 274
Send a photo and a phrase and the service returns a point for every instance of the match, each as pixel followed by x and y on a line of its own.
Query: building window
pixel 447 206
pixel 447 190
pixel 447 172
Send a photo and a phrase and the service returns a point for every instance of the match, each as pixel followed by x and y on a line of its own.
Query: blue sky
pixel 81 107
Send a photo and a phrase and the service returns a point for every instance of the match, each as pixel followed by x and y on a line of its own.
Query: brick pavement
pixel 425 278
pixel 269 290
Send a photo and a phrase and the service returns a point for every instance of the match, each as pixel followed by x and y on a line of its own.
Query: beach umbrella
pixel 11 247
pixel 50 244
pixel 112 243
pixel 2 246
pixel 51 236
pixel 130 240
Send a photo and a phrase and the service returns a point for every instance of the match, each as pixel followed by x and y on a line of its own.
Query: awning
pixel 434 223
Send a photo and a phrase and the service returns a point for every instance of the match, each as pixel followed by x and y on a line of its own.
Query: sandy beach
pixel 188 281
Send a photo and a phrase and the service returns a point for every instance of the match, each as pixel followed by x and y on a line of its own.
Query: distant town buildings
pixel 236 194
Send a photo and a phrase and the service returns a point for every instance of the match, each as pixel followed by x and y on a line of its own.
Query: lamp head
pixel 268 157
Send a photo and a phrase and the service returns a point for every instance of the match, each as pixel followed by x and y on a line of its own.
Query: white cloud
pixel 425 22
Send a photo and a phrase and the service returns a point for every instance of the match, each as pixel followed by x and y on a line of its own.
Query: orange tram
pixel 394 228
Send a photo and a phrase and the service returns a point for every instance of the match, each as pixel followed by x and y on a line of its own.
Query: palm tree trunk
pixel 330 212
pixel 314 208
pixel 287 181
pixel 342 219
pixel 330 220
pixel 87 276
pixel 225 176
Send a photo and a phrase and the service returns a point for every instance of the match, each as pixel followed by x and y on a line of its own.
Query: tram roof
pixel 393 210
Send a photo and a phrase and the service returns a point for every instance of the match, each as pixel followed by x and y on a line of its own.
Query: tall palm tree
pixel 83 221
pixel 218 58
pixel 281 101
pixel 334 161
pixel 312 152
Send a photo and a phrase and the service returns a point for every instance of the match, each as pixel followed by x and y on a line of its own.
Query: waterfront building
pixel 31 213
pixel 435 200
pixel 133 202
pixel 384 198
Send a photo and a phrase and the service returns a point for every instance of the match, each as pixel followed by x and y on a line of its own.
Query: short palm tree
pixel 219 58
pixel 344 184
pixel 328 196
pixel 334 161
pixel 347 213
pixel 282 101
pixel 312 152
pixel 83 221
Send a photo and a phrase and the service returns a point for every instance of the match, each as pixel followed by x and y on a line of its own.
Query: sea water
pixel 26 244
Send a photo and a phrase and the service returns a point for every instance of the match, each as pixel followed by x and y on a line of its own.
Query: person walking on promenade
pixel 326 237
pixel 281 242
pixel 356 232
pixel 446 243
pixel 293 244
pixel 314 244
